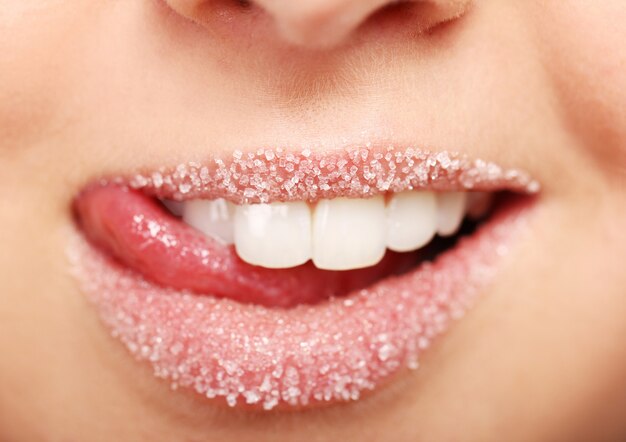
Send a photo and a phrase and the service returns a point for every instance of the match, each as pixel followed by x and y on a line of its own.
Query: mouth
pixel 280 278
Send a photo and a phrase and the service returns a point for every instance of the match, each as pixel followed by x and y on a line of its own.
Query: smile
pixel 280 278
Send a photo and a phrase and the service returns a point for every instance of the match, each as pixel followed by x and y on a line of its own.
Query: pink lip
pixel 335 350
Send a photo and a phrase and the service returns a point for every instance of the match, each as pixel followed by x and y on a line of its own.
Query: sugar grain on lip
pixel 268 175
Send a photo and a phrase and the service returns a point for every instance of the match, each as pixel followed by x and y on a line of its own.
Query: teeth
pixel 274 235
pixel 450 211
pixel 348 233
pixel 213 218
pixel 411 220
pixel 338 234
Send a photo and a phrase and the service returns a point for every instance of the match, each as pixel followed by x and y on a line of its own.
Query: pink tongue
pixel 141 234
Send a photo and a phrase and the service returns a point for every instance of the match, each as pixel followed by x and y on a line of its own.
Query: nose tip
pixel 319 23
pixel 325 23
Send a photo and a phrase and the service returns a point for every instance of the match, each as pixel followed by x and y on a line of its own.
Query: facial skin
pixel 89 88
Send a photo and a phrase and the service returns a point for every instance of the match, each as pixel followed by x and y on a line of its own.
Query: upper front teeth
pixel 274 235
pixel 337 234
pixel 348 233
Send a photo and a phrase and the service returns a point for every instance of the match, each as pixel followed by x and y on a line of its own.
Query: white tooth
pixel 276 235
pixel 478 204
pixel 411 220
pixel 213 218
pixel 348 233
pixel 450 211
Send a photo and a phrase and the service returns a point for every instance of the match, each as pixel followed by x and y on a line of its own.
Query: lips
pixel 298 336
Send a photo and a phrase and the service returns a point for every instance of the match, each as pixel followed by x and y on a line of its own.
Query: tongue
pixel 142 235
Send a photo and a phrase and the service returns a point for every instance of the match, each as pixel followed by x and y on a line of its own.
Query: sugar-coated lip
pixel 307 355
pixel 261 357
pixel 277 174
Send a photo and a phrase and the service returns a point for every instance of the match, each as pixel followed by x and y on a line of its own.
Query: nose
pixel 325 23
pixel 319 22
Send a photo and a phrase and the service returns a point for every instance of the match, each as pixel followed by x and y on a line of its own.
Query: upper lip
pixel 275 174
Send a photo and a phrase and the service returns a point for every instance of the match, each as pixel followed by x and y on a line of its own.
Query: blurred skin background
pixel 93 87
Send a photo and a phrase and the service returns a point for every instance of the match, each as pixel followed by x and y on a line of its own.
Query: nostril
pixel 420 16
pixel 243 5
pixel 438 12
pixel 203 12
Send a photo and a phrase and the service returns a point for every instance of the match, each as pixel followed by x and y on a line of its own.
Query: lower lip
pixel 303 356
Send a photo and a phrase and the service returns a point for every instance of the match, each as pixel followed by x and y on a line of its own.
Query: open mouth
pixel 279 278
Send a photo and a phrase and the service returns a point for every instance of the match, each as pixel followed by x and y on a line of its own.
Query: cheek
pixel 584 50
pixel 38 40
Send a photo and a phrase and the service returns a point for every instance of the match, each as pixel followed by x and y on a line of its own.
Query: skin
pixel 88 88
